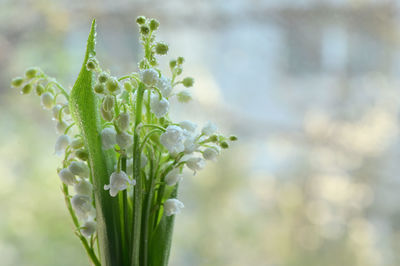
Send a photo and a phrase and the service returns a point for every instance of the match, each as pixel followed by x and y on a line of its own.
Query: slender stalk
pixel 137 215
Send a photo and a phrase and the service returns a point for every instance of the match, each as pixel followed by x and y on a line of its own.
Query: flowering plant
pixel 122 154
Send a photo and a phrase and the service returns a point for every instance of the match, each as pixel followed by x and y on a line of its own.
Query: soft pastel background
pixel 310 87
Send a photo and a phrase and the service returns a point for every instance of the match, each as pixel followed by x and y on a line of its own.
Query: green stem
pixel 137 215
pixel 122 202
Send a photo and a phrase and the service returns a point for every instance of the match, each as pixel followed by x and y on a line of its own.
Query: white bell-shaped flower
pixel 83 187
pixel 164 85
pixel 210 153
pixel 124 140
pixel 209 129
pixel 108 138
pixel 159 106
pixel 56 111
pixel 188 126
pixel 47 100
pixel 195 163
pixel 118 181
pixel 149 76
pixel 79 168
pixel 61 127
pixel 173 177
pixel 172 207
pixel 123 121
pixel 88 228
pixel 172 139
pixel 61 144
pixel 82 206
pixel 67 177
pixel 190 144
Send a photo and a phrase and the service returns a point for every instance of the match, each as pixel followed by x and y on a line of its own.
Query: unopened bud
pixel 140 20
pixel 154 24
pixel 128 86
pixel 39 89
pixel 188 82
pixel 103 77
pixel 224 145
pixel 31 72
pixel 233 138
pixel 123 121
pixel 184 96
pixel 180 60
pixel 16 82
pixel 47 100
pixel 99 88
pixel 76 143
pixel 172 63
pixel 26 89
pixel 144 30
pixel 112 84
pixel 91 64
pixel 107 116
pixel 161 48
pixel 108 103
pixel 82 154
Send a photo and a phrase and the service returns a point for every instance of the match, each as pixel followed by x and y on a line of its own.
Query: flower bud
pixel 124 140
pixel 149 76
pixel 144 30
pixel 91 64
pixel 26 89
pixel 67 177
pixel 98 88
pixel 39 89
pixel 31 72
pixel 61 144
pixel 128 86
pixel 172 63
pixel 123 121
pixel 82 154
pixel 184 96
pixel 154 24
pixel 188 82
pixel 17 82
pixel 178 70
pixel 224 145
pixel 103 77
pixel 108 138
pixel 180 60
pixel 107 116
pixel 233 138
pixel 56 111
pixel 108 103
pixel 88 228
pixel 47 100
pixel 209 129
pixel 112 84
pixel 76 143
pixel 83 187
pixel 213 138
pixel 172 207
pixel 140 20
pixel 173 177
pixel 79 169
pixel 161 48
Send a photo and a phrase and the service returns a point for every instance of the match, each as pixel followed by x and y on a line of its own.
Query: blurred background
pixel 310 87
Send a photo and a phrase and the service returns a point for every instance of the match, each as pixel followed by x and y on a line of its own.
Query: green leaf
pixel 84 108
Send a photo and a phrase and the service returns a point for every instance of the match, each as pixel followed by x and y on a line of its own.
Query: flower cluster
pixel 147 148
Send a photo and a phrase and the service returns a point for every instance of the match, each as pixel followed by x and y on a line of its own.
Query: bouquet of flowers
pixel 122 154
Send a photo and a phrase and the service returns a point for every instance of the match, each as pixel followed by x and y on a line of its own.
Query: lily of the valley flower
pixel 124 140
pixel 159 106
pixel 83 187
pixel 164 85
pixel 195 163
pixel 173 177
pixel 210 153
pixel 172 139
pixel 79 168
pixel 67 177
pixel 108 138
pixel 118 182
pixel 61 144
pixel 209 129
pixel 172 206
pixel 149 76
pixel 82 205
pixel 47 100
pixel 88 228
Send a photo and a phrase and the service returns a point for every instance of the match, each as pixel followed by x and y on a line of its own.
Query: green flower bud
pixel 82 154
pixel 224 145
pixel 140 20
pixel 153 61
pixel 99 88
pixel 103 77
pixel 154 24
pixel 178 70
pixel 172 63
pixel 184 96
pixel 112 84
pixel 161 48
pixel 91 64
pixel 180 60
pixel 128 86
pixel 144 30
pixel 108 103
pixel 31 72
pixel 142 64
pixel 233 138
pixel 39 89
pixel 188 82
pixel 213 138
pixel 26 89
pixel 16 82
